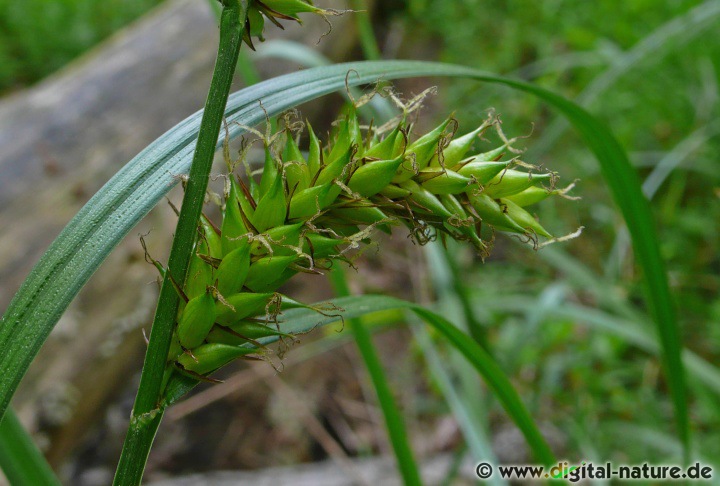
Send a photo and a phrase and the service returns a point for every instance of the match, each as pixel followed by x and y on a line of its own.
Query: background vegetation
pixel 650 70
pixel 566 323
pixel 39 37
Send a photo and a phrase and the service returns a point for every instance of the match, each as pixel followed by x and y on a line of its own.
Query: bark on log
pixel 59 142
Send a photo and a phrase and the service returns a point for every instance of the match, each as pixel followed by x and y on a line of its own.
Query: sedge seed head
pixel 311 208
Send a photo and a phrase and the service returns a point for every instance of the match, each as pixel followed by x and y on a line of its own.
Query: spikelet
pixel 307 210
pixel 276 11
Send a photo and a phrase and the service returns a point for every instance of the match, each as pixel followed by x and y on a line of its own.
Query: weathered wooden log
pixel 59 142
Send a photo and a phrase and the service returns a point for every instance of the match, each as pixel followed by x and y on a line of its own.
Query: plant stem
pixel 147 414
pixel 20 459
pixel 393 417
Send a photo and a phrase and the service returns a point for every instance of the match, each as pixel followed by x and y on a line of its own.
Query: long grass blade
pixel 299 321
pixel 463 410
pixel 495 379
pixel 20 459
pixel 452 374
pixel 127 197
pixel 393 417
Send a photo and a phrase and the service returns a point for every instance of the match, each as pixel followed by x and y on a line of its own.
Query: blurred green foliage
pixel 606 394
pixel 663 108
pixel 38 36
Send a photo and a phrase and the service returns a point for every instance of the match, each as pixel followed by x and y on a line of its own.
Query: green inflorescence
pixel 308 209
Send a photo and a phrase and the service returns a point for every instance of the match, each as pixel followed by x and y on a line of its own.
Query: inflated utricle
pixel 308 208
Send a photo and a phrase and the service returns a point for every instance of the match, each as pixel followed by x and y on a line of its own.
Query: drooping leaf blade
pixel 299 321
pixel 394 421
pixel 127 197
pixel 20 459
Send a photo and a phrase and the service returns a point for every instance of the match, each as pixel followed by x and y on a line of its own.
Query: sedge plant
pixel 219 297
pixel 306 213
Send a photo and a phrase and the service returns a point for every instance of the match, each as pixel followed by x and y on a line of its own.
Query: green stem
pixel 393 416
pixel 147 414
pixel 245 67
pixel 20 459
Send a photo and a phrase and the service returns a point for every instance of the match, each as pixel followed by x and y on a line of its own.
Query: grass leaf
pixel 128 196
pixel 20 459
pixel 298 321
pixel 394 422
